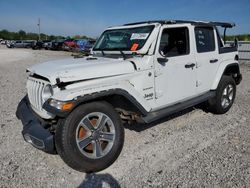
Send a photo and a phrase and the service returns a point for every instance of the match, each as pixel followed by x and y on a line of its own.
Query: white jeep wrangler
pixel 137 72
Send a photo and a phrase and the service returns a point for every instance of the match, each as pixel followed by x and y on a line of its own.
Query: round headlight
pixel 47 92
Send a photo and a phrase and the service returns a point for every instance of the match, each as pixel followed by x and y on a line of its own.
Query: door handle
pixel 213 60
pixel 191 65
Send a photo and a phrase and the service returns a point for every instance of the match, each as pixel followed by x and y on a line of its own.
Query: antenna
pixel 39 28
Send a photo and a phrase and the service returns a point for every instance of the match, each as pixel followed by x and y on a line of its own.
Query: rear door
pixel 207 57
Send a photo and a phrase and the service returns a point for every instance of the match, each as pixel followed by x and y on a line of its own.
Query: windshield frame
pixel 120 29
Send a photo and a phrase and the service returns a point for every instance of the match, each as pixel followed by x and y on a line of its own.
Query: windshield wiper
pixel 103 54
pixel 123 55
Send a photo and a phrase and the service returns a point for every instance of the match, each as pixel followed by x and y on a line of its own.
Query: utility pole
pixel 39 28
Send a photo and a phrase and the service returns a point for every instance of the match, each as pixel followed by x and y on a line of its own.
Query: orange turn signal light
pixel 67 106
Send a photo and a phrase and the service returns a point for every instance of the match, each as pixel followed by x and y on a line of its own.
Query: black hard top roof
pixel 221 24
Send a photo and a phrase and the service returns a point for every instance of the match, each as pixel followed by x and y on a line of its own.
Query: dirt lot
pixel 190 149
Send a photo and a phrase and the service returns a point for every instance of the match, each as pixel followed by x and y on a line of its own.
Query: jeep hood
pixel 68 70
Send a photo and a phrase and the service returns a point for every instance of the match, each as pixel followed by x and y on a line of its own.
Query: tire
pixel 69 132
pixel 225 95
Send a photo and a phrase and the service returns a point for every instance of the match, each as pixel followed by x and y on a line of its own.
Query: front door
pixel 175 79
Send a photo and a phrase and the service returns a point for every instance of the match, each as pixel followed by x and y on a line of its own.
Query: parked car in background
pixel 79 45
pixel 84 45
pixel 2 41
pixel 46 44
pixel 10 43
pixel 37 45
pixel 20 44
pixel 69 44
pixel 56 44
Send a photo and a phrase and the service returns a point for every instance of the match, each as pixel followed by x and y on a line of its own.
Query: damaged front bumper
pixel 33 132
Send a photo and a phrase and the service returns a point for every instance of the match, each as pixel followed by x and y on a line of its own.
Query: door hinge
pixel 198 65
pixel 158 94
pixel 198 83
pixel 158 72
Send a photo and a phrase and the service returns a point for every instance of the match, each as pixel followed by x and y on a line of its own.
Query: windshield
pixel 129 39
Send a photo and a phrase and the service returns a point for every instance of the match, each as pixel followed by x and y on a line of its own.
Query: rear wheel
pixel 91 138
pixel 225 96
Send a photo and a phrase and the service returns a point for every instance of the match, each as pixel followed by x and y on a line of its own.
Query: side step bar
pixel 155 115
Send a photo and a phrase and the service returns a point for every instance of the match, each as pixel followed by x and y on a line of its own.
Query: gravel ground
pixel 190 149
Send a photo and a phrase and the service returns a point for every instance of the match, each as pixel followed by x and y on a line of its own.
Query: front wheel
pixel 225 95
pixel 91 138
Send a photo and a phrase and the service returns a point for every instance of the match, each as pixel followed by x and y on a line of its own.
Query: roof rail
pixel 152 21
pixel 221 24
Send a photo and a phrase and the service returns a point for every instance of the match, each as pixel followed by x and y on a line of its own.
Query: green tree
pixel 43 36
pixel 4 34
pixel 22 34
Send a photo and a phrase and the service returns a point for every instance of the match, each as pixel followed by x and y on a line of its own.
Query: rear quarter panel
pixel 226 59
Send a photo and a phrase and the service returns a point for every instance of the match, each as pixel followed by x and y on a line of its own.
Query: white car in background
pixel 2 41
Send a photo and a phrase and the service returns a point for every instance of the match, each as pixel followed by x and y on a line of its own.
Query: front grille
pixel 35 89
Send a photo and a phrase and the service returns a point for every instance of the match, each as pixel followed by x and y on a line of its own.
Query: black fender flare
pixel 229 69
pixel 90 97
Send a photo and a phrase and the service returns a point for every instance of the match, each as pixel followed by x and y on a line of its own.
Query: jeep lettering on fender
pixel 137 72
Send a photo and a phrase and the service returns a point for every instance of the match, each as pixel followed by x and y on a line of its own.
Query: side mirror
pixel 162 60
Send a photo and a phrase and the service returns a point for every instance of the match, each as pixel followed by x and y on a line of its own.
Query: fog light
pixel 34 141
pixel 27 138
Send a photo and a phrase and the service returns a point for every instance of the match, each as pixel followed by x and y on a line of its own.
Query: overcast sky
pixel 91 17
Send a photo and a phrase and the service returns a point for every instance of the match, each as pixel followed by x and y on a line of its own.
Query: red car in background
pixel 69 44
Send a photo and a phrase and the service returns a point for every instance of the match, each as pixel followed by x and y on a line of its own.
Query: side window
pixel 204 39
pixel 174 42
